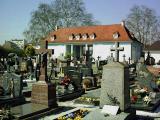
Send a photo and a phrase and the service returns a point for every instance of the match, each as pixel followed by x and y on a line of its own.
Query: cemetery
pixel 70 88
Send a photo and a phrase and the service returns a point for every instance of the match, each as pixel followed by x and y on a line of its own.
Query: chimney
pixel 123 23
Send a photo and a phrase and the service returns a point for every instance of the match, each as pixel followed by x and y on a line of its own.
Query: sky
pixel 16 14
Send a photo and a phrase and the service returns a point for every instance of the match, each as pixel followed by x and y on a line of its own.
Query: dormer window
pixel 84 36
pixel 116 35
pixel 78 36
pixel 53 37
pixel 71 37
pixel 92 36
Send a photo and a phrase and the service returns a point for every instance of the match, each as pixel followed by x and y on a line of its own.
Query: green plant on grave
pixel 5 113
pixel 113 99
pixel 67 55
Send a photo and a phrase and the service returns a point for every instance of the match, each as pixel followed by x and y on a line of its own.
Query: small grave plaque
pixel 109 109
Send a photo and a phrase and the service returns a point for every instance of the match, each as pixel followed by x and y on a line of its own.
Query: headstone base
pixel 7 100
pixel 44 93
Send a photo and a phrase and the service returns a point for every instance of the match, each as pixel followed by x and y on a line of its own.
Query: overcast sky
pixel 16 14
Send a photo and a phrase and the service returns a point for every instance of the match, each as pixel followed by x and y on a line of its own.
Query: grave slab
pixel 31 111
pixel 97 115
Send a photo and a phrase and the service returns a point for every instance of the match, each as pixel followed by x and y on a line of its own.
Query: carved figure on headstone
pixel 12 88
pixel 43 67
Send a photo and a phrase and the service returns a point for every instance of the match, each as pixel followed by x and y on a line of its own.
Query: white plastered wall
pixel 58 49
pixel 103 50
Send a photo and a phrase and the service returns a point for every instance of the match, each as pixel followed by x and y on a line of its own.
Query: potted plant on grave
pixel 68 58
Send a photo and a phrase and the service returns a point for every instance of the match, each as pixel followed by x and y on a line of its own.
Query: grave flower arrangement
pixel 87 100
pixel 77 115
pixel 65 81
pixel 140 95
pixel 147 99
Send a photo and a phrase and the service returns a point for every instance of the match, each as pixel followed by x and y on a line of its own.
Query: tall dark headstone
pixel 44 92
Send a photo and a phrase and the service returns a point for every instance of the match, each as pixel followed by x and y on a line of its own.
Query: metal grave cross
pixel 129 60
pixel 117 49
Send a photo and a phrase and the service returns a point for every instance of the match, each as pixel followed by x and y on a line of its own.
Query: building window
pixel 71 37
pixel 92 36
pixel 116 35
pixel 84 36
pixel 53 37
pixel 78 36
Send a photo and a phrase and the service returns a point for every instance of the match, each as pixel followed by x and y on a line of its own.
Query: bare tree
pixel 62 13
pixel 144 23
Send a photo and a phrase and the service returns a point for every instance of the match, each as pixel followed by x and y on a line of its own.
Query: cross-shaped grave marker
pixel 43 63
pixel 98 57
pixel 129 60
pixel 43 92
pixel 117 49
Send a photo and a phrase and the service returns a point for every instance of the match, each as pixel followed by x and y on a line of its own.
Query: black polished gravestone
pixel 74 89
pixel 12 85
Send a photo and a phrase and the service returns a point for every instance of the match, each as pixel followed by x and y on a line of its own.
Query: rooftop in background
pixel 91 34
pixel 154 47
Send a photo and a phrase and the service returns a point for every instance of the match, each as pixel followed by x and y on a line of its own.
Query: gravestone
pixel 76 79
pixel 12 84
pixel 115 85
pixel 44 92
pixel 86 71
pixel 110 59
pixel 17 84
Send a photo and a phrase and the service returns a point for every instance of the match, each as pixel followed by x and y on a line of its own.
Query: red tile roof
pixel 104 33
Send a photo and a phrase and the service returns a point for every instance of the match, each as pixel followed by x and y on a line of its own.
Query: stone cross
pixel 117 49
pixel 43 64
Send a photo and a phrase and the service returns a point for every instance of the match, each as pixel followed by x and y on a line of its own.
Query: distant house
pixel 19 43
pixel 154 51
pixel 98 40
pixel 11 45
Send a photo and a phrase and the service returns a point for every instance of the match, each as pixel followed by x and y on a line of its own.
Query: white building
pixel 154 51
pixel 97 39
